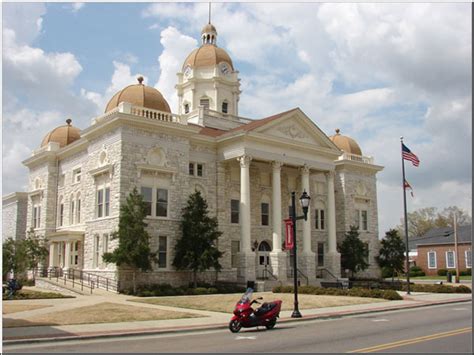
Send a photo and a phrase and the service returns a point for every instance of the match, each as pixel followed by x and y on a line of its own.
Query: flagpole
pixel 406 219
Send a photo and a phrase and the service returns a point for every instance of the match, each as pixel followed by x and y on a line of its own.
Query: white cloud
pixel 24 21
pixel 76 6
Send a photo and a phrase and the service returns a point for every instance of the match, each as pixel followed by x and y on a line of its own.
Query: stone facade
pixel 246 169
pixel 14 212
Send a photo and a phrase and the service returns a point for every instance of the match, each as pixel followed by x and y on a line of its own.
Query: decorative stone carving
pixel 276 165
pixel 361 189
pixel 292 132
pixel 304 170
pixel 157 157
pixel 244 161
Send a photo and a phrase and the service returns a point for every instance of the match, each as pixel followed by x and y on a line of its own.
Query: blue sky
pixel 376 71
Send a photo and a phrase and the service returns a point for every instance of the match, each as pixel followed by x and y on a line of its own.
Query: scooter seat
pixel 264 308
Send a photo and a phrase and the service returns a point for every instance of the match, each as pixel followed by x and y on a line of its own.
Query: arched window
pixel 78 207
pixel 205 102
pixel 61 211
pixel 72 210
pixel 186 108
pixel 264 246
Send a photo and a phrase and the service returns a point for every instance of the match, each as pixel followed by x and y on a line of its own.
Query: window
pixel 225 107
pixel 361 219
pixel 450 259
pixel 147 193
pixel 78 209
pixel 74 254
pixel 96 250
pixel 468 256
pixel 76 176
pixel 320 254
pixel 161 203
pixel 319 219
pixel 196 169
pixel 60 254
pixel 72 211
pixel 61 214
pixel 290 211
pixel 235 248
pixel 265 213
pixel 103 202
pixel 234 211
pixel 205 103
pixel 431 260
pixel 186 108
pixel 36 216
pixel 162 250
pixel 105 243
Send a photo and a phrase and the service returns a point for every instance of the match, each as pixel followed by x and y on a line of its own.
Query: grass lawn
pixel 14 308
pixel 226 303
pixel 105 312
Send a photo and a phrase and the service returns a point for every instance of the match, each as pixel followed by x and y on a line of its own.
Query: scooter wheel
pixel 271 324
pixel 235 326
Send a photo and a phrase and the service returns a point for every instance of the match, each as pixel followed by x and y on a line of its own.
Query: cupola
pixel 345 143
pixel 63 135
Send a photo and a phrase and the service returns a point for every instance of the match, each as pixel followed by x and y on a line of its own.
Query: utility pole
pixel 456 248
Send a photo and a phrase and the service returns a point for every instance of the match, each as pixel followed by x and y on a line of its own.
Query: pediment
pixel 296 126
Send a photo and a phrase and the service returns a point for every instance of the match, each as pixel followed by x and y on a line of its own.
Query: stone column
pixel 67 255
pixel 333 257
pixel 308 260
pixel 52 254
pixel 247 256
pixel 277 256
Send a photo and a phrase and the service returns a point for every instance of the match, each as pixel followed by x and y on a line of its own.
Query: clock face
pixel 225 69
pixel 187 71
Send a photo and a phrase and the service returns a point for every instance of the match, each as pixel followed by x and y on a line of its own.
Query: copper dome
pixel 63 135
pixel 345 143
pixel 207 55
pixel 139 95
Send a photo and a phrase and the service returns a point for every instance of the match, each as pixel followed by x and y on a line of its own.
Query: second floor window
pixel 103 202
pixel 196 169
pixel 61 214
pixel 186 108
pixel 36 216
pixel 362 221
pixel 265 207
pixel 225 107
pixel 78 211
pixel 147 193
pixel 161 203
pixel 156 200
pixel 234 211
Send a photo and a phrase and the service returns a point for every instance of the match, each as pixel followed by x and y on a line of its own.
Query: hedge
pixel 437 288
pixel 158 290
pixel 442 272
pixel 354 292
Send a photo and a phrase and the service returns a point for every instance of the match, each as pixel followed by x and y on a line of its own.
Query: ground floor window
pixel 320 254
pixel 162 251
pixel 432 260
pixel 468 256
pixel 235 248
pixel 450 263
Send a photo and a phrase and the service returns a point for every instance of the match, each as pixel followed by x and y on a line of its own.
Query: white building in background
pixel 245 168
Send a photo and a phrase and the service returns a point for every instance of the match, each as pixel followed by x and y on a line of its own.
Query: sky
pixel 376 71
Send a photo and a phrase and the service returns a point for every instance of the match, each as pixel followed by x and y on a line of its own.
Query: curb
pixel 198 328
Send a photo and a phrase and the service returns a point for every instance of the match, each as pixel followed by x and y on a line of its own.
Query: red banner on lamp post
pixel 289 238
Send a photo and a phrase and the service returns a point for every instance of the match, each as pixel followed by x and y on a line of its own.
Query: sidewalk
pixel 209 320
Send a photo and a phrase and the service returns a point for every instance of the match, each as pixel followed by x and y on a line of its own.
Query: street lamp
pixel 304 200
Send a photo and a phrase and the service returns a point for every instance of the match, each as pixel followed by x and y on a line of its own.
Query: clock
pixel 225 69
pixel 187 71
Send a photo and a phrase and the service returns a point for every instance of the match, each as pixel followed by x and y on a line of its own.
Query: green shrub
pixel 465 272
pixel 437 288
pixel 415 269
pixel 354 292
pixel 442 272
pixel 387 272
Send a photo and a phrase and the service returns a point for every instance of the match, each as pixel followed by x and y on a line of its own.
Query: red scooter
pixel 245 316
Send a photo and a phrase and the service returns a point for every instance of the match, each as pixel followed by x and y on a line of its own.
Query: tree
pixel 134 241
pixel 14 258
pixel 196 248
pixel 354 252
pixel 35 251
pixel 424 219
pixel 392 252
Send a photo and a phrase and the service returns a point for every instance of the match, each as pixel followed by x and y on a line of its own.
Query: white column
pixel 306 224
pixel 276 205
pixel 52 254
pixel 67 255
pixel 245 203
pixel 331 213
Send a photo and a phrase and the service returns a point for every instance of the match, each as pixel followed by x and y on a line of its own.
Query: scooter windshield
pixel 247 296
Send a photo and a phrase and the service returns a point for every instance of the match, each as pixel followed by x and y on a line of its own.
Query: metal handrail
pixel 58 274
pixel 267 271
pixel 329 272
pixel 96 280
pixel 304 276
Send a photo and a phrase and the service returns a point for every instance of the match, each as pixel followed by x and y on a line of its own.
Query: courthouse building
pixel 245 168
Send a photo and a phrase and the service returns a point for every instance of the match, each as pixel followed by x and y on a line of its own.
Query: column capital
pixel 330 174
pixel 304 170
pixel 244 161
pixel 276 165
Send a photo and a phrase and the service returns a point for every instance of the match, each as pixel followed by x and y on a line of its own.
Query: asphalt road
pixel 437 329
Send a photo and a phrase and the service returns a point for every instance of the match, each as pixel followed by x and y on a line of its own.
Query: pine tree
pixel 354 252
pixel 134 241
pixel 392 252
pixel 196 249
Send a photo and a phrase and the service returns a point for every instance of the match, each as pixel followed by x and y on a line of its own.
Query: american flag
pixel 406 185
pixel 408 155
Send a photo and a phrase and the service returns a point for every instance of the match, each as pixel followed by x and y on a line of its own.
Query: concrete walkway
pixel 209 320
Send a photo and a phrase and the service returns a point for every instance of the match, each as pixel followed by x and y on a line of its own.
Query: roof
pixel 346 143
pixel 444 235
pixel 207 55
pixel 63 135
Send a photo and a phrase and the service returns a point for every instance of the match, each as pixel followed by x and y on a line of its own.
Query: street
pixel 435 329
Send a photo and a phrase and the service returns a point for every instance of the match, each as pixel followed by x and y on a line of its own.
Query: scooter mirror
pixel 260 298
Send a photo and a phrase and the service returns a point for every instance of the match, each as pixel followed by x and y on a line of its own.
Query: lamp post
pixel 304 200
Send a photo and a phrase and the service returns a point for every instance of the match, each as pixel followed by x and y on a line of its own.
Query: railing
pixel 290 274
pixel 94 280
pixel 58 274
pixel 355 157
pixel 267 272
pixel 320 271
pixel 154 114
pixel 304 276
pixel 340 282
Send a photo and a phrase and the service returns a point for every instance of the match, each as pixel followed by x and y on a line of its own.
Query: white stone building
pixel 245 168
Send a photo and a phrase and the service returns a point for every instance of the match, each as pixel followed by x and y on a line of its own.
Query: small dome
pixel 345 143
pixel 63 135
pixel 208 29
pixel 207 55
pixel 139 95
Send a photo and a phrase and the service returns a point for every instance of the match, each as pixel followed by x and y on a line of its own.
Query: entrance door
pixel 263 258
